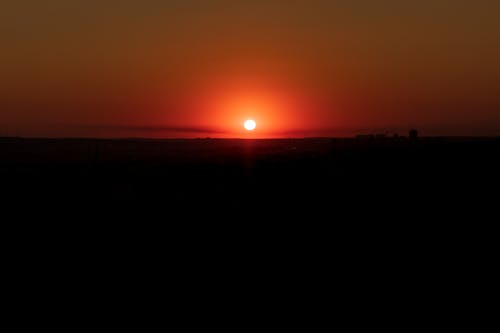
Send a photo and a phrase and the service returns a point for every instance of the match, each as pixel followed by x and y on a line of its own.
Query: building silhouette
pixel 413 135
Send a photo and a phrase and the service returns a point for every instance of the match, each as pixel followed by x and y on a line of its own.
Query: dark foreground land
pixel 312 179
pixel 353 222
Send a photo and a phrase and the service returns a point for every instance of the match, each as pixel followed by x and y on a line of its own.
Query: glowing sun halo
pixel 250 125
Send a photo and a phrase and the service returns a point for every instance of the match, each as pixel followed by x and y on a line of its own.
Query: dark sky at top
pixel 311 67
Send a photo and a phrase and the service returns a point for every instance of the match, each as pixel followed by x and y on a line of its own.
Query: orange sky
pixel 199 68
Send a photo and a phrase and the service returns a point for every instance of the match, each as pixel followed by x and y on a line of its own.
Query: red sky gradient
pixel 198 68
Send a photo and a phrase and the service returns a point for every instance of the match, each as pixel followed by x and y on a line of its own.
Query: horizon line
pixel 237 138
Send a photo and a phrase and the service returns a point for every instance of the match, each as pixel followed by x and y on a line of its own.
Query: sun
pixel 250 125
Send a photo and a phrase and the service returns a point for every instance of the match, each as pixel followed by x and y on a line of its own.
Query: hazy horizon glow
pixel 196 68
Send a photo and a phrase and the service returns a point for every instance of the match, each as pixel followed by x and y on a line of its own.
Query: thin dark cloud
pixel 157 129
pixel 323 132
pixel 195 131
pixel 211 130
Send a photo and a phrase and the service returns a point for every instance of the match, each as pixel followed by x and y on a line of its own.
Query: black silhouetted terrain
pixel 393 179
pixel 386 220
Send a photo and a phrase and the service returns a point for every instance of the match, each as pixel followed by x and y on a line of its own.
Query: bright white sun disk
pixel 250 125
